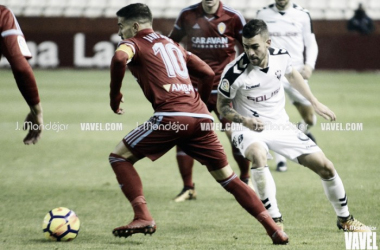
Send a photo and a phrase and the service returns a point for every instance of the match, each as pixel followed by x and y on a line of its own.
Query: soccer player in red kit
pixel 162 69
pixel 14 48
pixel 211 31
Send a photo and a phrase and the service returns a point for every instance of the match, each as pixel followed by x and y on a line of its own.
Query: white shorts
pixel 284 139
pixel 294 95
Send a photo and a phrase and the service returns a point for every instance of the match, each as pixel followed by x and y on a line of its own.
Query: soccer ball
pixel 61 224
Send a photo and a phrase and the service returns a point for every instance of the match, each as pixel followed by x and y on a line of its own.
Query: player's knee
pixel 327 170
pixel 114 158
pixel 257 154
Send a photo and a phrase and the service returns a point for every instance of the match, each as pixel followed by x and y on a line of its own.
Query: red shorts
pixel 158 135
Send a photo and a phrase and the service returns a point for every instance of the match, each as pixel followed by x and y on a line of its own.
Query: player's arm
pixel 311 48
pixel 177 32
pixel 224 107
pixel 118 65
pixel 27 85
pixel 296 80
pixel 199 69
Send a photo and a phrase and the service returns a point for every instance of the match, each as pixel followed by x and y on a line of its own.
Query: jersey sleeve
pixel 239 24
pixel 310 42
pixel 12 36
pixel 289 65
pixel 228 85
pixel 178 31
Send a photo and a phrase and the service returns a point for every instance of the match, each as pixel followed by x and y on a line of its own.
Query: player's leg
pixel 145 140
pixel 309 118
pixel 242 162
pixel 280 162
pixel 122 160
pixel 334 189
pixel 248 199
pixel 185 165
pixel 206 148
pixel 304 108
pixel 263 180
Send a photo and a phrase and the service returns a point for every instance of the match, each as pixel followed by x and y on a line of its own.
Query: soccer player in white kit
pixel 290 27
pixel 253 84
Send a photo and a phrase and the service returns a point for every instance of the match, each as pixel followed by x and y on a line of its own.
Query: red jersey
pixel 160 67
pixel 9 28
pixel 14 48
pixel 213 38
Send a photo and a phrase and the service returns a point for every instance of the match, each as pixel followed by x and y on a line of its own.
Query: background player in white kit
pixel 253 83
pixel 290 27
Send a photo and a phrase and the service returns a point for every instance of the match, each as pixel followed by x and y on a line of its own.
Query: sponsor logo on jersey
pixel 252 86
pixel 179 87
pixel 225 85
pixel 264 97
pixel 221 28
pixel 209 42
pixel 196 26
pixel 278 74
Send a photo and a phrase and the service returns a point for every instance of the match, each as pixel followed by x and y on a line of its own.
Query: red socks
pixel 248 199
pixel 185 165
pixel 131 186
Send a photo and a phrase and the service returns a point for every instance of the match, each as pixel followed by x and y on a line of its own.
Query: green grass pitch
pixel 70 168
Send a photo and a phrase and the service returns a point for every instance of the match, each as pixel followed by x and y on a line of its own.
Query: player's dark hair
pixel 255 27
pixel 136 12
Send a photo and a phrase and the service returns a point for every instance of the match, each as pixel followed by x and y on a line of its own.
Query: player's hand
pixel 306 72
pixel 34 124
pixel 324 111
pixel 254 124
pixel 115 104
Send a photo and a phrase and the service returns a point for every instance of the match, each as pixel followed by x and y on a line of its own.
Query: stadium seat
pixel 374 14
pixel 337 5
pixel 113 6
pixel 192 2
pixel 75 8
pixel 54 8
pixel 317 14
pixel 252 7
pixel 334 14
pixel 318 5
pixel 373 4
pixel 303 3
pixel 175 4
pixel 35 7
pixel 94 8
pixel 157 8
pixel 171 12
pixel 353 4
pixel 17 6
pixel 237 5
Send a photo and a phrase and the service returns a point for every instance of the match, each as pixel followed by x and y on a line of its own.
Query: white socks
pixel 266 189
pixel 336 194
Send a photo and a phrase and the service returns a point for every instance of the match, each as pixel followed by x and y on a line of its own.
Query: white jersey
pixel 255 91
pixel 291 29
